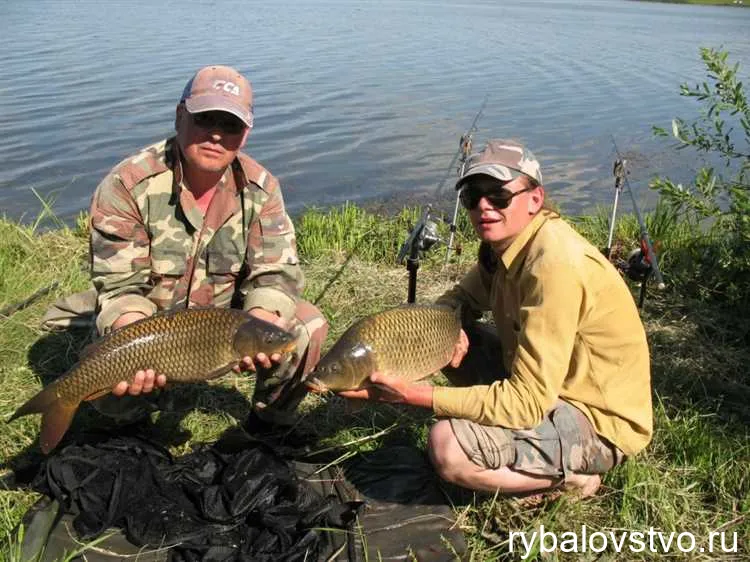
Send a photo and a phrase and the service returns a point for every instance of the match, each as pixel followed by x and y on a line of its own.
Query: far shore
pixel 738 3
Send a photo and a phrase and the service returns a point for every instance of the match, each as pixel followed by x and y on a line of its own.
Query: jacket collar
pixel 174 161
pixel 516 252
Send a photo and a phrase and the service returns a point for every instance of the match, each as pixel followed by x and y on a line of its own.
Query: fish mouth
pixel 314 385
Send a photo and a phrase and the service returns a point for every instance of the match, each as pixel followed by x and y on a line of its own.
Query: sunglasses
pixel 498 197
pixel 212 120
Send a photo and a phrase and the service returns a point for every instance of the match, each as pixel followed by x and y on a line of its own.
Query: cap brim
pixel 496 171
pixel 199 104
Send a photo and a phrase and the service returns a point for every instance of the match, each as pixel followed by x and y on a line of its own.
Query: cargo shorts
pixel 564 442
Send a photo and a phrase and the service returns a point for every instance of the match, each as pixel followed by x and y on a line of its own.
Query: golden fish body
pixel 411 341
pixel 186 345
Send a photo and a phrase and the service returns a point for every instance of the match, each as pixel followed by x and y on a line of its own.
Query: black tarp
pixel 238 503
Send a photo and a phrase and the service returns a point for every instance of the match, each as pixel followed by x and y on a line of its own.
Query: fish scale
pixel 411 341
pixel 186 345
pixel 180 354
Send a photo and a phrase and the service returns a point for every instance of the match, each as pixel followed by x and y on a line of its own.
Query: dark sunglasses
pixel 212 120
pixel 498 197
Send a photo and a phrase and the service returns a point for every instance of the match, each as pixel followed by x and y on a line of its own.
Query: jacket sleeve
pixel 119 253
pixel 551 303
pixel 274 281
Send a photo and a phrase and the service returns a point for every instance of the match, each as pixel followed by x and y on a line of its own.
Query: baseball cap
pixel 219 88
pixel 504 160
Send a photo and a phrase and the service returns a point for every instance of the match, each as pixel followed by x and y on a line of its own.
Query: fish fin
pixel 56 415
pixel 223 370
pixel 354 406
pixel 55 422
pixel 89 349
pixel 98 394
pixel 389 391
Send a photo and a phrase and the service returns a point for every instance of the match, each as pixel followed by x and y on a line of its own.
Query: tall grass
pixel 694 477
pixel 349 229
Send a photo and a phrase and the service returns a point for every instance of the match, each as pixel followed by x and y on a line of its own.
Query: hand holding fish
pixel 460 349
pixel 385 388
pixel 261 359
pixel 393 388
pixel 190 345
pixel 144 381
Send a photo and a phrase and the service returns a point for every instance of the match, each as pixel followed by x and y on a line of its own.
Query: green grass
pixel 694 477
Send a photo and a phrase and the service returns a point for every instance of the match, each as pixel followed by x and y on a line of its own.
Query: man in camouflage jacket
pixel 192 221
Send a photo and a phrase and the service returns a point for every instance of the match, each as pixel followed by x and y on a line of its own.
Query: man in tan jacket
pixel 560 392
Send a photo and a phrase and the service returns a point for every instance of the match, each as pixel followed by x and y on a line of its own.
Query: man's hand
pixel 127 318
pixel 388 388
pixel 143 382
pixel 261 359
pixel 394 389
pixel 460 350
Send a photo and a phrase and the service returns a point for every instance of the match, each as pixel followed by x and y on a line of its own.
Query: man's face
pixel 494 224
pixel 210 140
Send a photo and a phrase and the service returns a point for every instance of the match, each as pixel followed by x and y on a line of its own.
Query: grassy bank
pixel 695 476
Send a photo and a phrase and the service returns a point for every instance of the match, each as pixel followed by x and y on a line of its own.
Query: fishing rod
pixel 15 307
pixel 641 263
pixel 424 234
pixel 464 150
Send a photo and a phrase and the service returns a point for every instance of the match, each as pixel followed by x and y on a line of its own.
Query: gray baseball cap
pixel 219 88
pixel 504 160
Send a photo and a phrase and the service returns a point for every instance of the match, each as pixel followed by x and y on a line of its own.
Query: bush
pixel 717 203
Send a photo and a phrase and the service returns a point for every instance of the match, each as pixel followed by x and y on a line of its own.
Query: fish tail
pixel 55 422
pixel 37 404
pixel 57 415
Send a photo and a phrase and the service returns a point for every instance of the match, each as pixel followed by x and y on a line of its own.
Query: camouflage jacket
pixel 152 249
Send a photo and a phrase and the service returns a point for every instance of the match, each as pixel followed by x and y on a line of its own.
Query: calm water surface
pixel 355 100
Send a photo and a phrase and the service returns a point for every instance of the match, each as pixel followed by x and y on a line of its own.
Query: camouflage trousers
pixel 565 442
pixel 277 391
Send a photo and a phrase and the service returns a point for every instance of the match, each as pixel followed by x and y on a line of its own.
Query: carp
pixel 411 341
pixel 187 345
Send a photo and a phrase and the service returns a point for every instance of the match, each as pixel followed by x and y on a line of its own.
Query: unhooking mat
pixel 128 499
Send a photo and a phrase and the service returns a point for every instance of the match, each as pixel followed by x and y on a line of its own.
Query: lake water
pixel 355 100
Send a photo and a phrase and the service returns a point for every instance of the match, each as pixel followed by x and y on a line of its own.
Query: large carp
pixel 187 345
pixel 411 341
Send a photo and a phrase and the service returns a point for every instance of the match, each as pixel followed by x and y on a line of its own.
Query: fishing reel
pixel 423 236
pixel 638 266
